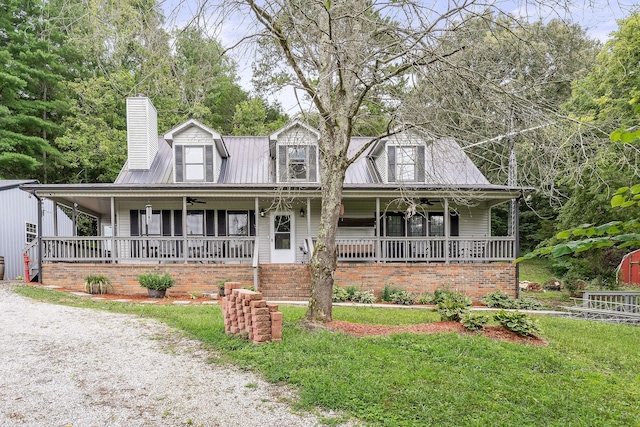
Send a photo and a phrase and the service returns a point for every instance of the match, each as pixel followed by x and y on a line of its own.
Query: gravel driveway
pixel 66 366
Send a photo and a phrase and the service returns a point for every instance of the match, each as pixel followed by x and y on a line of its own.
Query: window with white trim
pixel 297 163
pixel 194 163
pixel 406 163
pixel 31 232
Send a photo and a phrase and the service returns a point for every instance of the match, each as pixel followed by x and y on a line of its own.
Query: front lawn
pixel 586 376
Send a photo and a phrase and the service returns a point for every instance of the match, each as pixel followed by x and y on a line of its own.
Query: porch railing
pixel 147 249
pixel 427 249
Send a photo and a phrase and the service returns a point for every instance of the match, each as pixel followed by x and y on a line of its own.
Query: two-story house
pixel 416 213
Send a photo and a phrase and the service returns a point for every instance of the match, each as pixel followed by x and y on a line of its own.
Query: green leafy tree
pixel 35 59
pixel 252 118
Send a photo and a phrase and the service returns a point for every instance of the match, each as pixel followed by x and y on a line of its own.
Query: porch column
pixel 114 256
pixel 40 249
pixel 446 230
pixel 516 230
pixel 74 219
pixel 309 220
pixel 55 219
pixel 256 264
pixel 184 229
pixel 378 247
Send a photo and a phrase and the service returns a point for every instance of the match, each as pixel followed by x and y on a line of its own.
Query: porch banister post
pixel 256 240
pixel 309 219
pixel 378 247
pixel 114 256
pixel 184 229
pixel 446 230
pixel 74 218
pixel 55 219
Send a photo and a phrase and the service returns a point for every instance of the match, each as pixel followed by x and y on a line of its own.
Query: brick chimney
pixel 142 132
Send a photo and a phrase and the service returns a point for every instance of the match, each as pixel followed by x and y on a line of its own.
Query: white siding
pixel 474 221
pixel 142 133
pixel 382 164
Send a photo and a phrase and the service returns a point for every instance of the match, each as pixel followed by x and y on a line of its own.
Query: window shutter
pixel 177 223
pixel 166 223
pixel 134 222
pixel 313 161
pixel 420 166
pixel 208 158
pixel 282 163
pixel 252 223
pixel 391 169
pixel 179 164
pixel 222 223
pixel 209 223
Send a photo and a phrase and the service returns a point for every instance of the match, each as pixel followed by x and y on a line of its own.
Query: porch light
pixel 148 214
pixel 262 212
pixel 301 212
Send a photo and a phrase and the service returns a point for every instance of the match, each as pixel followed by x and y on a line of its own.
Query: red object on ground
pixel 27 276
pixel 629 269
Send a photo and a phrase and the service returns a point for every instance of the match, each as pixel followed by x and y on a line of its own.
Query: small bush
pixel 425 298
pixel 97 284
pixel 452 306
pixel 386 293
pixel 529 304
pixel 517 322
pixel 156 281
pixel 474 321
pixel 340 294
pixel 351 291
pixel 442 294
pixel 403 297
pixel 498 299
pixel 364 297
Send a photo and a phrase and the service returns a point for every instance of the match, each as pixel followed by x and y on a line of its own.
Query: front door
pixel 282 238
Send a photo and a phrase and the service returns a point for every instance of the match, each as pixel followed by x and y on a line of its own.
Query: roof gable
pixel 193 123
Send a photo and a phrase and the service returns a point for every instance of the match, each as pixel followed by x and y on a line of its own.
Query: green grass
pixel 535 270
pixel 586 376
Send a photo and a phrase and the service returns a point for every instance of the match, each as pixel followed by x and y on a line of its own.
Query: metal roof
pixel 7 184
pixel 250 163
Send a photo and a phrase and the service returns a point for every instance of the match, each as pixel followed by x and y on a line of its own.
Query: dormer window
pixel 406 163
pixel 193 163
pixel 297 163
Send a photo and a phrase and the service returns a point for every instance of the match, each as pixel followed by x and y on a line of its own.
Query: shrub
pixel 529 304
pixel 517 322
pixel 403 297
pixel 340 294
pixel 156 281
pixel 499 300
pixel 442 294
pixel 452 306
pixel 425 298
pixel 364 297
pixel 386 293
pixel 97 284
pixel 474 321
pixel 351 291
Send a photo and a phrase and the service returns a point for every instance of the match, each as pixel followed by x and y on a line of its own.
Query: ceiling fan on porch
pixel 192 200
pixel 425 201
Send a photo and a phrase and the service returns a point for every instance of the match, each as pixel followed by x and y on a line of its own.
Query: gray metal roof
pixel 249 163
pixel 161 171
pixel 7 184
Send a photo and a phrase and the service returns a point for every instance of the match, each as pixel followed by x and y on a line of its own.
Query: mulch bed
pixel 493 332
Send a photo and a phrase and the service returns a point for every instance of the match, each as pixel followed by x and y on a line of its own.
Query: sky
pixel 598 17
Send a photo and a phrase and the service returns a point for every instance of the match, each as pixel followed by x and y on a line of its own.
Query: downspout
pixel 378 244
pixel 40 251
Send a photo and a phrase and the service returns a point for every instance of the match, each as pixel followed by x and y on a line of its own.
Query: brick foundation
pixel 292 281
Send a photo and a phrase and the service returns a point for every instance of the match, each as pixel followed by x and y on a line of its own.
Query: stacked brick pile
pixel 247 314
